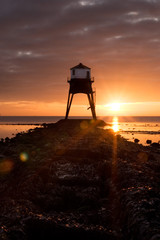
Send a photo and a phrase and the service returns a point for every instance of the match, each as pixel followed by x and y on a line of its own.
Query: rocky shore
pixel 72 179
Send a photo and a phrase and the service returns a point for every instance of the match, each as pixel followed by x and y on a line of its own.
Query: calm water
pixel 10 126
pixel 142 128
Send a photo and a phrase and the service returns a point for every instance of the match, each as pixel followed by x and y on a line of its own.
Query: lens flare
pixel 6 166
pixel 24 157
pixel 84 125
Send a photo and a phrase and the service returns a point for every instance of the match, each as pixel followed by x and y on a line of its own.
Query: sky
pixel 40 40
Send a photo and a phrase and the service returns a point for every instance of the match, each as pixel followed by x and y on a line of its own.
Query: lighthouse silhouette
pixel 81 82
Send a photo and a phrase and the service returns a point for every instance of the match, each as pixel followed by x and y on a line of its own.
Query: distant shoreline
pixel 52 119
pixel 35 124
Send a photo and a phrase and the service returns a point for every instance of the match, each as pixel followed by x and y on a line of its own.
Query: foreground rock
pixel 73 179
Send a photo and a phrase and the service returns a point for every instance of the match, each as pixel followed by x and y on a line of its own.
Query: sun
pixel 115 107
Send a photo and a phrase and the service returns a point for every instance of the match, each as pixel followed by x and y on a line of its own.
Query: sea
pixel 132 128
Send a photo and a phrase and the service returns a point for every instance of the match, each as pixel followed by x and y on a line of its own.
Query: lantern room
pixel 80 72
pixel 81 82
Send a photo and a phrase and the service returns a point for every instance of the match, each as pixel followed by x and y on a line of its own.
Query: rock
pixel 82 181
pixel 155 145
pixel 149 141
pixel 136 140
pixel 155 237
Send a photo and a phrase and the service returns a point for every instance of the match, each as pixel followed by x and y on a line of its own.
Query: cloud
pixel 41 39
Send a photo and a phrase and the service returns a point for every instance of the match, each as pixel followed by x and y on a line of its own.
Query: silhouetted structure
pixel 81 82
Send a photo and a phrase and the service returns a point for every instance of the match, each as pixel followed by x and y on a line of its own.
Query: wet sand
pixel 75 180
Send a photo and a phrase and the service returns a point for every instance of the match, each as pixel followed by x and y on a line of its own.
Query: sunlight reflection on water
pixel 139 130
pixel 115 124
pixel 142 128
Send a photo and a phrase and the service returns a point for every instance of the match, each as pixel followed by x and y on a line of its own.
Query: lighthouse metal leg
pixel 70 98
pixel 91 102
pixel 93 108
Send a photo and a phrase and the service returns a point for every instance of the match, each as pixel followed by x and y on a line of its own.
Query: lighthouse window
pixel 88 74
pixel 73 71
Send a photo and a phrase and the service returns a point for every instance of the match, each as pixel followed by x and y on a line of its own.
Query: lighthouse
pixel 81 82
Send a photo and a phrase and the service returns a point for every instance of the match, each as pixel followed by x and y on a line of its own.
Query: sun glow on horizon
pixel 114 107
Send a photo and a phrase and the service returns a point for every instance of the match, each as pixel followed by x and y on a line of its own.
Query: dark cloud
pixel 41 39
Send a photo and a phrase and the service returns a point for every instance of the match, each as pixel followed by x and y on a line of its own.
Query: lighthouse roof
pixel 80 65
